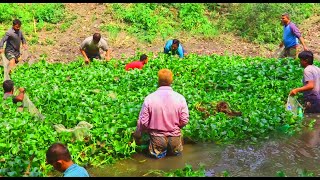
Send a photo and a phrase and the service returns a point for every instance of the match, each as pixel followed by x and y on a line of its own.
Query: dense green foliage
pixel 110 98
pixel 264 19
pixel 34 17
pixel 147 21
pixel 150 20
pixel 257 22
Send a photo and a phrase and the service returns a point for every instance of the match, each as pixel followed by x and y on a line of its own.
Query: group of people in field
pixel 164 112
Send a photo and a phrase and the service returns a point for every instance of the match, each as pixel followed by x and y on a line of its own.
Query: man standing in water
pixel 13 37
pixel 291 34
pixel 163 114
pixel 311 83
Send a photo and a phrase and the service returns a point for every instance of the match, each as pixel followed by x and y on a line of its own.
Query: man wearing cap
pixel 311 83
pixel 163 114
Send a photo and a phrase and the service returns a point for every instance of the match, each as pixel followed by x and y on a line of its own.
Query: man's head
pixel 16 24
pixel 285 19
pixel 8 86
pixel 175 44
pixel 144 58
pixel 165 77
pixel 58 156
pixel 306 58
pixel 96 38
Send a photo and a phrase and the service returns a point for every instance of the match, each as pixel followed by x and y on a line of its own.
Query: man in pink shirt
pixel 137 64
pixel 163 114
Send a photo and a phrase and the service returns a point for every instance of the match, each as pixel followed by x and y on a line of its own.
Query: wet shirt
pixel 179 51
pixel 76 171
pixel 134 65
pixel 312 73
pixel 290 35
pixel 13 40
pixel 91 48
pixel 163 113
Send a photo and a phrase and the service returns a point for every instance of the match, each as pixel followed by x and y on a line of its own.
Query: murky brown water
pixel 264 159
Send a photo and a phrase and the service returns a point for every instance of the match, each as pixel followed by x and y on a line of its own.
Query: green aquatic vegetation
pixel 300 173
pixel 110 98
pixel 187 171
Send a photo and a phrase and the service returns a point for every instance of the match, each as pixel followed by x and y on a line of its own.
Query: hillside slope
pixel 89 16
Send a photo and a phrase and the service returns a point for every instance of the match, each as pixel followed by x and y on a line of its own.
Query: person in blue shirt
pixel 59 157
pixel 291 34
pixel 174 47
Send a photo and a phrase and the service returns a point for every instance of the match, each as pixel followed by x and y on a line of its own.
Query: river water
pixel 279 153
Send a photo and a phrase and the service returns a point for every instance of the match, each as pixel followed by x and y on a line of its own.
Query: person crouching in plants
pixel 137 64
pixel 8 88
pixel 311 83
pixel 174 47
pixel 163 114
pixel 59 157
pixel 90 48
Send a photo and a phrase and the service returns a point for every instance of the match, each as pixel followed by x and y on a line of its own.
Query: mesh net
pixel 277 53
pixel 5 64
pixel 80 131
pixel 293 105
pixel 27 103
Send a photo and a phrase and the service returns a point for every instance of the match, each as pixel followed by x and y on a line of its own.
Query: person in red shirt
pixel 138 64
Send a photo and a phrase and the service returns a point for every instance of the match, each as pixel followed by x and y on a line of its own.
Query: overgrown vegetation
pixel 260 22
pixel 34 17
pixel 104 95
pixel 150 20
pixel 257 22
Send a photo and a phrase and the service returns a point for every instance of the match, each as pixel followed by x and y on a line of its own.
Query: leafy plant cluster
pixel 110 98
pixel 187 171
pixel 256 22
pixel 300 173
pixel 149 20
pixel 260 22
pixel 34 16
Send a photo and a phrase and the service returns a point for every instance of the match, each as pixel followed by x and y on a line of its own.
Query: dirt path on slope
pixel 89 16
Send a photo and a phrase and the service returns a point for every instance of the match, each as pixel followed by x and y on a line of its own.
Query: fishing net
pixel 294 106
pixel 5 64
pixel 27 103
pixel 80 132
pixel 278 52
